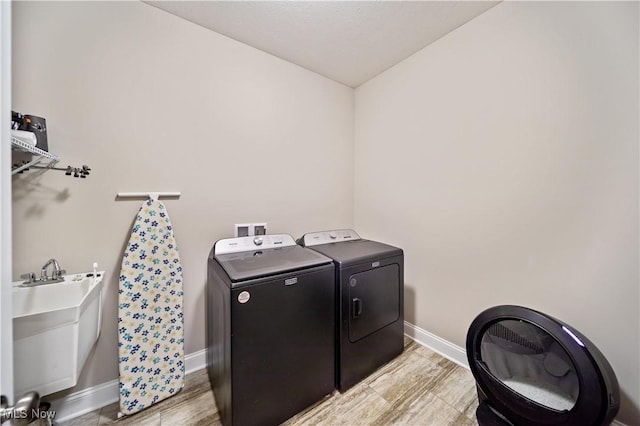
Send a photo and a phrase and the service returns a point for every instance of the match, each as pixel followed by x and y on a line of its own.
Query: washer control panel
pixel 326 237
pixel 258 242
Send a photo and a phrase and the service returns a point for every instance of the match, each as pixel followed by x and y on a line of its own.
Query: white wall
pixel 153 102
pixel 504 159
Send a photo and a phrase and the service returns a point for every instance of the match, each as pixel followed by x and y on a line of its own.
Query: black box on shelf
pixel 31 123
pixel 38 125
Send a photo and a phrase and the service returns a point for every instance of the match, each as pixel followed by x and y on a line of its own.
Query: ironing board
pixel 150 320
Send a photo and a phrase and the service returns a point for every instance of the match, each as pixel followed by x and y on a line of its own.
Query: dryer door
pixel 374 298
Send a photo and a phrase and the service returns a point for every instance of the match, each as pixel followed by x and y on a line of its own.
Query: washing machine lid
pixel 245 258
pixel 534 369
pixel 353 252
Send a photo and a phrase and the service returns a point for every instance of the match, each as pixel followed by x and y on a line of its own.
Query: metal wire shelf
pixel 39 156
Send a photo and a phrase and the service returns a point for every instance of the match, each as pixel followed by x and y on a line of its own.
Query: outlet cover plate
pixel 243 230
pixel 259 229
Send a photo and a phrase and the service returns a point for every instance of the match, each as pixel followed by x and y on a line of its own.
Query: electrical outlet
pixel 259 229
pixel 243 229
pixel 250 229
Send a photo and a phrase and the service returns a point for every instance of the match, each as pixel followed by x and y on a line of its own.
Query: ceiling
pixel 347 41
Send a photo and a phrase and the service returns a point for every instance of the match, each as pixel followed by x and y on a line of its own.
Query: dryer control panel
pixel 258 242
pixel 326 237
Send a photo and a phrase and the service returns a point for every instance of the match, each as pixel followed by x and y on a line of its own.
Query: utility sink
pixel 55 326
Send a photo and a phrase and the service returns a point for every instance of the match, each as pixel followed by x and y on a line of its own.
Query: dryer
pixel 369 301
pixel 270 328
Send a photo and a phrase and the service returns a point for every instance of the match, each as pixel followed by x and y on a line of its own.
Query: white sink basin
pixel 54 329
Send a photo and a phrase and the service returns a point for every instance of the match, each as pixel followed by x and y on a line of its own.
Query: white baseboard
pixel 195 361
pixel 95 397
pixel 437 344
pixel 84 401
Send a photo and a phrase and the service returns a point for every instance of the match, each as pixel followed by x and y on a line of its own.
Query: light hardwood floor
pixel 418 388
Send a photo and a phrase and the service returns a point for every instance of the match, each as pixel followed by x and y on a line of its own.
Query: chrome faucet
pixel 56 274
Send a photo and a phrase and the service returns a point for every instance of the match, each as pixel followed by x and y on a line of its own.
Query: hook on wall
pixel 81 172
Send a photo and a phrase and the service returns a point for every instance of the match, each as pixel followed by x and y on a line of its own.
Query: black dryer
pixel 369 302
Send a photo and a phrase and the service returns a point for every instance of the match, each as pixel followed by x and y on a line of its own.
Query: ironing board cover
pixel 150 319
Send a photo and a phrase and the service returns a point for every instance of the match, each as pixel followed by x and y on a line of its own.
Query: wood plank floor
pixel 418 388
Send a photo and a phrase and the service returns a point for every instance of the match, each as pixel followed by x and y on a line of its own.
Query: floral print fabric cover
pixel 150 318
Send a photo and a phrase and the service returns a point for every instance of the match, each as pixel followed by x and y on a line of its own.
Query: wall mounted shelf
pixel 38 156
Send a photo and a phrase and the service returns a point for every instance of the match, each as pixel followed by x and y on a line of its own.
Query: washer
pixel 532 369
pixel 270 328
pixel 369 304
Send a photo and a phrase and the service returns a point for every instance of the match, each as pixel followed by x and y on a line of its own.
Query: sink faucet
pixel 56 274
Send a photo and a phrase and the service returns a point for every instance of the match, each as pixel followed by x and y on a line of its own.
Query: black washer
pixel 270 328
pixel 532 369
pixel 370 307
